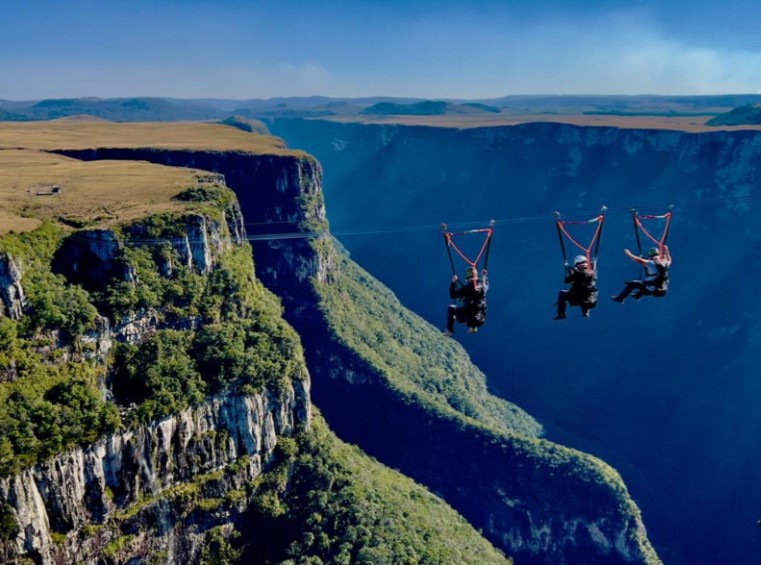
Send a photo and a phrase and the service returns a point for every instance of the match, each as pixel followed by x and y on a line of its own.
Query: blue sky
pixel 479 49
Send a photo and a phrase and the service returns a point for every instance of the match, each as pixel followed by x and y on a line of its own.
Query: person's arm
pixel 667 254
pixel 485 280
pixel 635 258
pixel 453 288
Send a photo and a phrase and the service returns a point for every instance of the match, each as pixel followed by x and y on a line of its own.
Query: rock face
pixel 90 485
pixel 681 429
pixel 274 193
pixel 158 492
pixel 11 294
pixel 90 257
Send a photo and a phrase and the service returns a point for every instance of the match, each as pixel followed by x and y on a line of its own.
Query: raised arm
pixel 485 280
pixel 635 258
pixel 453 287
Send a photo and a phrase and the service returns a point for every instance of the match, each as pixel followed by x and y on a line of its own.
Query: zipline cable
pixel 689 204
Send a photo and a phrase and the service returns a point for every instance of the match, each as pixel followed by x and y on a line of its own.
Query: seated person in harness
pixel 473 296
pixel 656 281
pixel 583 290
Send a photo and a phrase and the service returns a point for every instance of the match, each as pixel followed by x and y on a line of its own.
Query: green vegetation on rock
pixel 205 334
pixel 337 505
pixel 412 354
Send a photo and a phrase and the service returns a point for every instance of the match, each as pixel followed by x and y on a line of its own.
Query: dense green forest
pixel 368 318
pixel 330 503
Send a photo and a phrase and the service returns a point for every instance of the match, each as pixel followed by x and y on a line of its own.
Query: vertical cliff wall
pixel 661 389
pixel 75 506
pixel 148 379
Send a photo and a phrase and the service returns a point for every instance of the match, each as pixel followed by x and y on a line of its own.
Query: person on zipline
pixel 656 281
pixel 583 290
pixel 473 296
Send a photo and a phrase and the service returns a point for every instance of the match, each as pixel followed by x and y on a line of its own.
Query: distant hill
pixel 113 109
pixel 477 106
pixel 245 124
pixel 428 108
pixel 749 114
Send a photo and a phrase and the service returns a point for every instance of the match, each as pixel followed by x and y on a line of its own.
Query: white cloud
pixel 623 57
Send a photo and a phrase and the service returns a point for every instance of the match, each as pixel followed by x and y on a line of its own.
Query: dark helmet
pixel 653 252
pixel 471 273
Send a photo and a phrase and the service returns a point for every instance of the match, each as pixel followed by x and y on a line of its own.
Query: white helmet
pixel 579 259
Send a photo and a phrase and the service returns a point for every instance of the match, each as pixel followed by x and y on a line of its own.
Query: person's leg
pixel 562 298
pixel 630 286
pixel 451 311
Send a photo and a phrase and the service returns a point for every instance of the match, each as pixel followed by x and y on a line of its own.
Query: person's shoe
pixel 559 317
pixel 585 313
pixel 472 330
pixel 447 333
pixel 617 299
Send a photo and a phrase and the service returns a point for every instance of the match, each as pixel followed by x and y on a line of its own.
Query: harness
pixel 659 278
pixel 483 252
pixel 590 251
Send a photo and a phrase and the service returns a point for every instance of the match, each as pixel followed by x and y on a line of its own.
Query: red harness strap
pixel 595 238
pixel 484 248
pixel 659 242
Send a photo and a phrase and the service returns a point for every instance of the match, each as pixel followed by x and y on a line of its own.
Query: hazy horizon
pixel 233 49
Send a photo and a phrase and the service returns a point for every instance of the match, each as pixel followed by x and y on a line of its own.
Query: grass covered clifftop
pixel 37 185
pixel 74 134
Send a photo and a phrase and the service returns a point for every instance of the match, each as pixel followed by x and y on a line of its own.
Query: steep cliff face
pixel 278 196
pixel 286 195
pixel 70 508
pixel 164 318
pixel 11 292
pixel 660 389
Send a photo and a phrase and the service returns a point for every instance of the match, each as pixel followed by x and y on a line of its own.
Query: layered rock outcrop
pixel 151 491
pixel 11 293
pixel 91 485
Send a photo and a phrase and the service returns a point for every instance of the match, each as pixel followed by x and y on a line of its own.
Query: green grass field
pixel 74 133
pixel 103 193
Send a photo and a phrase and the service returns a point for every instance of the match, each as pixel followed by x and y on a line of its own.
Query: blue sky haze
pixel 480 49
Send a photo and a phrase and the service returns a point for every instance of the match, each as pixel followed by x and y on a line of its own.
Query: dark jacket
pixel 583 286
pixel 473 299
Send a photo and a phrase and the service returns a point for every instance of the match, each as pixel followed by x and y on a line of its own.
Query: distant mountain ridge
pixel 113 109
pixel 141 109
